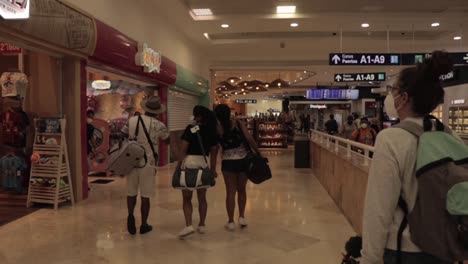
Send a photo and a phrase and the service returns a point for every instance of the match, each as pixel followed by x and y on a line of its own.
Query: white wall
pixel 149 21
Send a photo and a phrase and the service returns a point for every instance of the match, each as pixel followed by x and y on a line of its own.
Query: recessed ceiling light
pixel 258 88
pixel 294 24
pixel 267 85
pixel 249 76
pixel 232 81
pixel 243 90
pixel 245 93
pixel 202 12
pixel 300 78
pixel 235 93
pixel 286 9
pixel 305 71
pixel 457 38
pixel 435 24
pixel 245 84
pixel 206 36
pixel 365 25
pixel 225 25
pixel 279 84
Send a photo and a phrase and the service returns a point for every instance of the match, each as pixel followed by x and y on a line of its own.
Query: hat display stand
pixel 50 181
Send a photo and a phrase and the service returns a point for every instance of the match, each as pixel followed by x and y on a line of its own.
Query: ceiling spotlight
pixel 245 93
pixel 232 81
pixel 305 71
pixel 435 24
pixel 235 93
pixel 286 9
pixel 258 88
pixel 300 78
pixel 240 77
pixel 294 24
pixel 202 12
pixel 279 84
pixel 365 25
pixel 207 36
pixel 243 90
pixel 225 25
pixel 248 76
pixel 457 38
pixel 245 84
pixel 267 85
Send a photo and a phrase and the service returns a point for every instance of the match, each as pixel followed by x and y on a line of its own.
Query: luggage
pixel 189 179
pixel 439 219
pixel 130 154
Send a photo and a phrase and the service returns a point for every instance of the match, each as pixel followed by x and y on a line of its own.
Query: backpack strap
pixel 411 127
pixel 404 223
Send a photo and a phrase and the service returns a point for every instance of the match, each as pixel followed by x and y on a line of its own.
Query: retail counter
pixel 345 179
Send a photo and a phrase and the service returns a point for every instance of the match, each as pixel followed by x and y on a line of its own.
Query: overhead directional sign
pixel 360 77
pixel 360 59
pixel 246 101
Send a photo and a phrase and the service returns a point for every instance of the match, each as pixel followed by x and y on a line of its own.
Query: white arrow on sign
pixel 466 58
pixel 338 78
pixel 337 59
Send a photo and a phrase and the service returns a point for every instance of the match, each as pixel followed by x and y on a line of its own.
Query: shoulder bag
pixel 258 169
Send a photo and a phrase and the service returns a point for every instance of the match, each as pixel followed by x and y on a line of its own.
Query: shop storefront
pixel 40 57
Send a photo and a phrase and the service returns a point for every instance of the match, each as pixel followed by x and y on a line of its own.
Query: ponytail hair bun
pixel 438 64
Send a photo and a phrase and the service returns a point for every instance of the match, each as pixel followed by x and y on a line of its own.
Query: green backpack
pixel 439 219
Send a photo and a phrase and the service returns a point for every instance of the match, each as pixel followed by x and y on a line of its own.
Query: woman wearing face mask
pixel 365 134
pixel 191 157
pixel 348 128
pixel 415 95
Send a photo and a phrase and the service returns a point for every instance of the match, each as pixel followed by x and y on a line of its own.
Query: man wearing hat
pixel 143 179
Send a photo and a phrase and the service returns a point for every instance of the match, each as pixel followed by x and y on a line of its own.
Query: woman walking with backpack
pixel 191 157
pixel 392 181
pixel 236 143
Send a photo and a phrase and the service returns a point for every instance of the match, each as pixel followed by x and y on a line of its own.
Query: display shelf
pixel 50 181
pixel 272 135
pixel 458 120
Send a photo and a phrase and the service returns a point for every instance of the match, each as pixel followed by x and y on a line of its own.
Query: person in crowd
pixel 307 124
pixel 143 179
pixel 417 92
pixel 90 139
pixel 331 126
pixel 348 128
pixel 375 125
pixel 357 121
pixel 191 157
pixel 236 143
pixel 365 134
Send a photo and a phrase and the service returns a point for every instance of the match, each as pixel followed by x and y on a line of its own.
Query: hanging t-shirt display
pixel 14 125
pixel 12 169
pixel 14 84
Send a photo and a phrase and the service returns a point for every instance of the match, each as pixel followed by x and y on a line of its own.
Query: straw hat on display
pixel 153 105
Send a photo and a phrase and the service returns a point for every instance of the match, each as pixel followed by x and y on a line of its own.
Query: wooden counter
pixel 345 179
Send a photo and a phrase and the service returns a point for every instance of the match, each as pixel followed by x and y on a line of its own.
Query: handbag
pixel 188 179
pixel 258 169
pixel 130 154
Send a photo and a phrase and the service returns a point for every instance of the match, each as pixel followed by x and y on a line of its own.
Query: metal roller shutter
pixel 180 109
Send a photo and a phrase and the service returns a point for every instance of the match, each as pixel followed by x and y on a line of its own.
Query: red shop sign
pixel 6 48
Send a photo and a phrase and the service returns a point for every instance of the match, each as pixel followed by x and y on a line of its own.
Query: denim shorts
pixel 390 257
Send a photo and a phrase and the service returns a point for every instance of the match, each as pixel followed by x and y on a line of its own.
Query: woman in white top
pixel 416 94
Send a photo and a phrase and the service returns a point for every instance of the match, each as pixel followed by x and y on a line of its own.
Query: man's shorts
pixel 142 179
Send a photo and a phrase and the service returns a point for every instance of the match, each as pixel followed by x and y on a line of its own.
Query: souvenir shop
pixel 40 106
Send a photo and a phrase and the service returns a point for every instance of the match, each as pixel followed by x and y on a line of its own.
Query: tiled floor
pixel 291 220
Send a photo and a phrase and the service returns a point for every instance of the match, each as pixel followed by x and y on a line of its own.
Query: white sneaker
pixel 187 231
pixel 201 230
pixel 230 226
pixel 242 222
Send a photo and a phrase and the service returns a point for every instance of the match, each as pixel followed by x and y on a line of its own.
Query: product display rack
pixel 272 135
pixel 50 180
pixel 458 120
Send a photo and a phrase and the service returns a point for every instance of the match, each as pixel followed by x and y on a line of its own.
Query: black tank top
pixel 233 139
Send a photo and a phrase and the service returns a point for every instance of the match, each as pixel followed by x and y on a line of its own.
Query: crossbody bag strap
pixel 200 142
pixel 140 120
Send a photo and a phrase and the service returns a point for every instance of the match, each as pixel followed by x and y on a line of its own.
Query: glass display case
pixel 458 120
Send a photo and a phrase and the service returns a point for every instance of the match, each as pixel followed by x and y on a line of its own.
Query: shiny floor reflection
pixel 291 220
